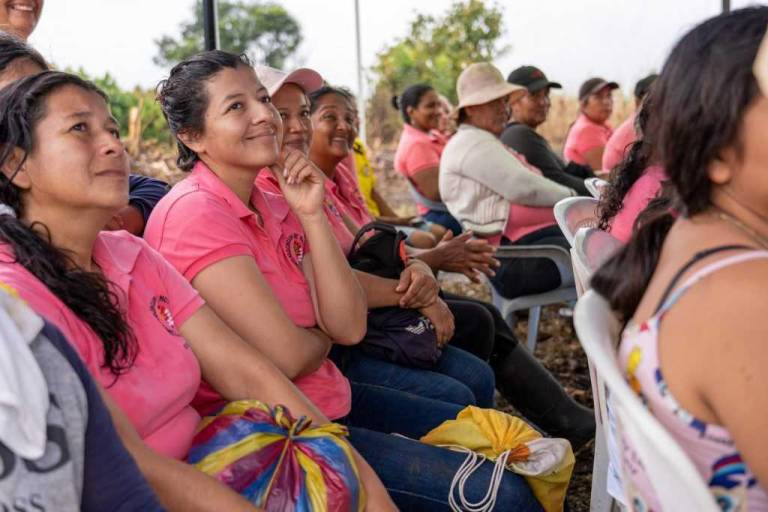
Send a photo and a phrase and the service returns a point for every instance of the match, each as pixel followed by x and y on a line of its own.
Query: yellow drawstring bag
pixel 545 463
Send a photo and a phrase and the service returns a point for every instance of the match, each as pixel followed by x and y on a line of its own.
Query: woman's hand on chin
pixel 301 182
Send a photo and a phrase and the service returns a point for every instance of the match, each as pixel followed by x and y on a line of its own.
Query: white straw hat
pixel 482 82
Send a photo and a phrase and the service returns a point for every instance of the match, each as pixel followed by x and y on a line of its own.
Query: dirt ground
pixel 559 350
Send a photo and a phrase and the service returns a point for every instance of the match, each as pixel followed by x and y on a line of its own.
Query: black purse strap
pixel 371 226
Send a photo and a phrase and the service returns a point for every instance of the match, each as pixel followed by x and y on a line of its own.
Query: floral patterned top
pixel 710 446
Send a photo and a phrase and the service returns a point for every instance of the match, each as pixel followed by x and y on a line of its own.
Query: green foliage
pixel 264 31
pixel 153 124
pixel 435 51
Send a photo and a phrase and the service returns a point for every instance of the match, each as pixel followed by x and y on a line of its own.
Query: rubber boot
pixel 538 396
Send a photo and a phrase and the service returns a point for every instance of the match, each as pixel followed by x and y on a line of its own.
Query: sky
pixel 571 40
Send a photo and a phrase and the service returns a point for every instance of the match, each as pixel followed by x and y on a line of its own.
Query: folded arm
pixel 490 164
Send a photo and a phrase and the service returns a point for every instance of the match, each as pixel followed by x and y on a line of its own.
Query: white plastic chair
pixel 573 213
pixel 591 248
pixel 595 186
pixel 675 480
pixel 566 292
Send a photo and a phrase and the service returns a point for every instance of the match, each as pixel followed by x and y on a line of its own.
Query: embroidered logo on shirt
pixel 294 248
pixel 161 308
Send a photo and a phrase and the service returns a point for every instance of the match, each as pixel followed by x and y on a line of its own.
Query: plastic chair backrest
pixel 581 274
pixel 423 201
pixel 595 186
pixel 675 480
pixel 594 246
pixel 573 213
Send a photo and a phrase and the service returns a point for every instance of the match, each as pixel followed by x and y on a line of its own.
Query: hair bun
pixel 396 102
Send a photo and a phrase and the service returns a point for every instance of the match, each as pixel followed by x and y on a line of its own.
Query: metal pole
pixel 726 6
pixel 210 24
pixel 360 91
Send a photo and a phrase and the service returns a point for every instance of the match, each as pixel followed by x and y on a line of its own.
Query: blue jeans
pixel 445 219
pixel 418 476
pixel 458 377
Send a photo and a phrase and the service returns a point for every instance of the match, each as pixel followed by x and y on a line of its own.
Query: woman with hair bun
pixel 419 149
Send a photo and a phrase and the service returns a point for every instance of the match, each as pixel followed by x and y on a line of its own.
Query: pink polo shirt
pixel 618 144
pixel 343 235
pixel 418 151
pixel 342 187
pixel 585 135
pixel 637 198
pixel 201 222
pixel 267 183
pixel 156 392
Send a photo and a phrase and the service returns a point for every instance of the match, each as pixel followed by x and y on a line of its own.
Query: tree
pixel 264 31
pixel 151 123
pixel 435 51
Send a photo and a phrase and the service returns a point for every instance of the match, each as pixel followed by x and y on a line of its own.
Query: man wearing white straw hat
pixel 493 191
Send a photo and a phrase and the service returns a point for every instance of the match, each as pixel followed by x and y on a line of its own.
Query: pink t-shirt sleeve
pixel 198 231
pixel 636 200
pixel 420 157
pixel 618 144
pixel 184 299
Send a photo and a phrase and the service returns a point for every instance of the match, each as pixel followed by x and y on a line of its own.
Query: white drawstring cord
pixel 471 464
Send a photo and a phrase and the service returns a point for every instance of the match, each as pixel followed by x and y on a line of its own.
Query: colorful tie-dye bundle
pixel 276 462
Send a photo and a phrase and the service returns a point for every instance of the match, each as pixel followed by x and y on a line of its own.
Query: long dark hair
pixel 12 48
pixel 694 117
pixel 88 294
pixel 628 171
pixel 184 99
pixel 410 98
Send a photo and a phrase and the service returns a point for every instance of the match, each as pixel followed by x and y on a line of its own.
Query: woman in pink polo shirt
pixel 590 133
pixel 457 377
pixel 634 183
pixel 622 138
pixel 480 328
pixel 419 149
pixel 142 331
pixel 270 266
